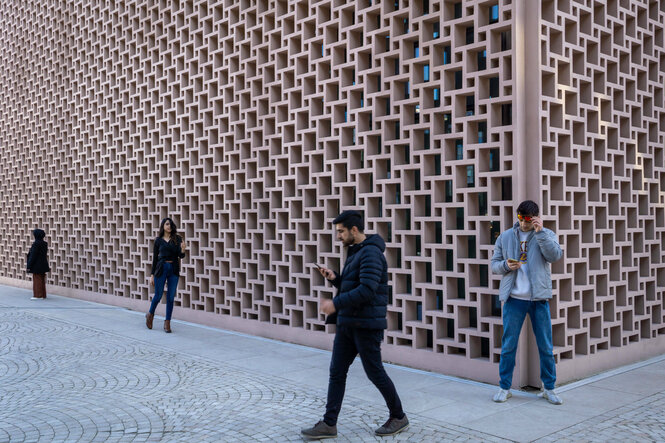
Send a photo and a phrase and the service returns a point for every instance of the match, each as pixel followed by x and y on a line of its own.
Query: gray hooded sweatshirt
pixel 542 249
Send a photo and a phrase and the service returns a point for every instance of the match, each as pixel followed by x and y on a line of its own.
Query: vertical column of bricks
pixel 252 124
pixel 603 178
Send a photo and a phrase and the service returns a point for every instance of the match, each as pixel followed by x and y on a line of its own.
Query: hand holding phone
pixel 513 264
pixel 325 272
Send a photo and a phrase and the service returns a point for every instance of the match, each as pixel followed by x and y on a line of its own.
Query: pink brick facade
pixel 252 123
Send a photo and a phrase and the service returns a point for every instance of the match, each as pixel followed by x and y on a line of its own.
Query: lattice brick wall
pixel 603 175
pixel 253 123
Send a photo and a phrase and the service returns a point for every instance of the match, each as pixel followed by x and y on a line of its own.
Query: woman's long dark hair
pixel 174 230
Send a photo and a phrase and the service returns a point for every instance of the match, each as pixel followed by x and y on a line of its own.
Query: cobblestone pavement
pixel 65 382
pixel 642 421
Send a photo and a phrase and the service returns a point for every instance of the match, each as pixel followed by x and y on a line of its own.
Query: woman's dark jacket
pixel 166 251
pixel 362 296
pixel 37 262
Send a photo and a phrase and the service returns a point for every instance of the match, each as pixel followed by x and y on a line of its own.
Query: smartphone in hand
pixel 512 260
pixel 326 273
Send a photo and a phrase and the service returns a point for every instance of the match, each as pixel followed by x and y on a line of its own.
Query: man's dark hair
pixel 528 207
pixel 349 219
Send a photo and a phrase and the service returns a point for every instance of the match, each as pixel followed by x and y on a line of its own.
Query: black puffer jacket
pixel 37 260
pixel 362 298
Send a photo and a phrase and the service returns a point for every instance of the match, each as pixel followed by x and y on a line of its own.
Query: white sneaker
pixel 502 395
pixel 551 397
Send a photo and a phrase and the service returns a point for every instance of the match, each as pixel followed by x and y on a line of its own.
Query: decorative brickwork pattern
pixel 603 171
pixel 253 123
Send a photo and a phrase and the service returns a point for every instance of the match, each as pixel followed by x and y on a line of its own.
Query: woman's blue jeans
pixel 169 278
pixel 514 313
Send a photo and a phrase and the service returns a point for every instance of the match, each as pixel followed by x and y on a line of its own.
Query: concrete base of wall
pixel 481 369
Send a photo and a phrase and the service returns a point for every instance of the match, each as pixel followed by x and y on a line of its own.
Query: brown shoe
pixel 320 431
pixel 167 326
pixel 393 426
pixel 148 320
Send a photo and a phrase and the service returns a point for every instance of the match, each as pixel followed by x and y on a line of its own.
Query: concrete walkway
pixel 77 371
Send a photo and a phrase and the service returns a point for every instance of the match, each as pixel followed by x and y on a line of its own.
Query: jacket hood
pixel 376 240
pixel 39 234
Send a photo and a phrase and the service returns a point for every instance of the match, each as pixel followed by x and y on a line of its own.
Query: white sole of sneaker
pixel 503 401
pixel 542 395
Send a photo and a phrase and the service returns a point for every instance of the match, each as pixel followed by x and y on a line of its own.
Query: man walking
pixel 523 255
pixel 360 307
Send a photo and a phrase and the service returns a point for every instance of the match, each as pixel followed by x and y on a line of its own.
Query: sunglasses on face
pixel 526 218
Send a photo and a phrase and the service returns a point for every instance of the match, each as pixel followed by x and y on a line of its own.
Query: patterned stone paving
pixel 65 382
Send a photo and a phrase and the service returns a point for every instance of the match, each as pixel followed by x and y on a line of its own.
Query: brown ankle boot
pixel 167 325
pixel 148 320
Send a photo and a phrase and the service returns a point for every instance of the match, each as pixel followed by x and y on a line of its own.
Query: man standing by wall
pixel 523 255
pixel 360 306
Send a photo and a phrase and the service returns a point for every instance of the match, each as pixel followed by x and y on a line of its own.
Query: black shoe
pixel 393 426
pixel 320 430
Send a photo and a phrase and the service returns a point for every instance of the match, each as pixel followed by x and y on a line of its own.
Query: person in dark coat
pixel 37 264
pixel 168 250
pixel 360 307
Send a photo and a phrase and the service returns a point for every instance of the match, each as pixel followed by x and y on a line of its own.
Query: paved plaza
pixel 71 370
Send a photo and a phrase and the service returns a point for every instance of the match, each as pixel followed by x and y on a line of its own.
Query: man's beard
pixel 350 241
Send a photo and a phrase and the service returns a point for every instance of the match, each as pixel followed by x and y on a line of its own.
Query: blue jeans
pixel 167 277
pixel 514 312
pixel 349 342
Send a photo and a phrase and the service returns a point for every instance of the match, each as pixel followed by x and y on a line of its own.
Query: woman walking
pixel 38 264
pixel 169 249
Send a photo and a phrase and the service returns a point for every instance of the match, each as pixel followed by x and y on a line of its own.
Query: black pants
pixel 350 342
